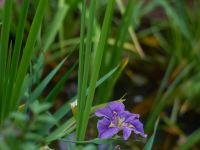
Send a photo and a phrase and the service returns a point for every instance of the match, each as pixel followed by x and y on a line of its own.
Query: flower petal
pixel 126 133
pixel 109 132
pixel 104 130
pixel 103 124
pixel 138 127
pixel 116 106
pixel 104 112
pixel 128 116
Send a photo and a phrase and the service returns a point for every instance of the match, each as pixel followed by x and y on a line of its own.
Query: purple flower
pixel 117 119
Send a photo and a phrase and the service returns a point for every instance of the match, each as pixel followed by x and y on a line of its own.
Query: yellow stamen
pixel 111 125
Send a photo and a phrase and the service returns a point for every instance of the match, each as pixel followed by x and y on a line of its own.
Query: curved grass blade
pixel 94 141
pixel 162 103
pixel 51 96
pixel 36 93
pixel 149 144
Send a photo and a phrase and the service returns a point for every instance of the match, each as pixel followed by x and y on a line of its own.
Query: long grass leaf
pixel 39 89
pixel 53 28
pixel 149 144
pixel 87 61
pixel 4 52
pixel 51 96
pixel 163 102
pixel 96 66
pixel 81 61
pixel 19 38
pixel 16 53
pixel 27 54
pixel 105 91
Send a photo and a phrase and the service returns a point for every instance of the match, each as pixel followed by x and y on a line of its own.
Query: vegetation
pixel 62 61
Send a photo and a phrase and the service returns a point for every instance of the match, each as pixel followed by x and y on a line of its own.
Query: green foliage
pixel 114 55
pixel 12 77
pixel 84 109
pixel 156 39
pixel 22 131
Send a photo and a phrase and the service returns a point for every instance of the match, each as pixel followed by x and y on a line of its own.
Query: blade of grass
pixel 53 28
pixel 19 38
pixel 16 53
pixel 162 103
pixel 62 130
pixel 94 141
pixel 28 51
pixel 5 36
pixel 4 52
pixel 87 62
pixel 96 68
pixel 37 92
pixel 81 62
pixel 131 29
pixel 149 144
pixel 164 81
pixel 177 19
pixel 7 81
pixel 105 91
pixel 51 96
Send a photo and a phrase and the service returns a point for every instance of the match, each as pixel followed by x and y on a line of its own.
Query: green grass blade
pixel 27 54
pixel 177 19
pixel 164 81
pixel 87 62
pixel 39 89
pixel 4 52
pixel 105 90
pixel 96 66
pixel 163 102
pixel 5 35
pixel 16 54
pixel 81 62
pixel 6 83
pixel 62 130
pixel 149 144
pixel 51 96
pixel 94 141
pixel 53 28
pixel 19 38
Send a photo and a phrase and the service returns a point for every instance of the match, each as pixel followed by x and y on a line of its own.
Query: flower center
pixel 118 122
